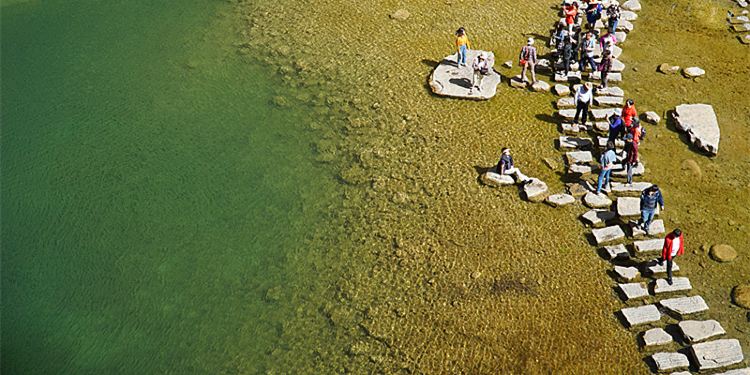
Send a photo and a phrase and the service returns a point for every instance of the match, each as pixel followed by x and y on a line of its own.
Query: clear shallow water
pixel 151 193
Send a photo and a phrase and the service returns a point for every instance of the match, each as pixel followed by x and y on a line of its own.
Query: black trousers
pixel 669 269
pixel 582 107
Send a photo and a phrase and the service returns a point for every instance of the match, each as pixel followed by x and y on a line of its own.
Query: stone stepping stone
pixel 557 200
pixel 700 123
pixel 597 218
pixel 717 354
pixel 741 371
pixel 653 268
pixel 619 171
pixel 636 188
pixel 633 5
pixel 683 306
pixel 645 246
pixel 608 234
pixel 621 36
pixel 738 19
pixel 616 50
pixel 580 169
pixel 628 15
pixel 633 290
pixel 496 180
pixel 535 190
pixel 652 117
pixel 568 114
pixel 617 66
pixel 610 91
pixel 570 129
pixel 517 82
pixel 594 200
pixel 741 28
pixel 579 157
pixel 603 113
pixel 571 77
pixel 700 330
pixel 626 273
pixel 580 188
pixel 561 90
pixel 681 373
pixel 628 206
pixel 656 227
pixel 617 252
pixel 450 80
pixel 601 126
pixel 574 142
pixel 601 142
pixel 679 284
pixel 625 26
pixel 640 315
pixel 611 77
pixel 566 102
pixel 745 39
pixel 608 101
pixel 670 361
pixel 656 337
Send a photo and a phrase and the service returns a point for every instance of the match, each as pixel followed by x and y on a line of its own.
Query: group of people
pixel 625 126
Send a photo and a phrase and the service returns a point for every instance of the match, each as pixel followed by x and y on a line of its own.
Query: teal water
pixel 151 193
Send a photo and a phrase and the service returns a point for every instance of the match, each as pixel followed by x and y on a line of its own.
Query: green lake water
pixel 151 193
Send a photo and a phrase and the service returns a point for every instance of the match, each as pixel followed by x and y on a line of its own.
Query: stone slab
pixel 628 15
pixel 601 142
pixel 679 284
pixel 535 190
pixel 608 101
pixel 617 66
pixel 640 315
pixel 656 337
pixel 700 330
pixel 701 125
pixel 580 169
pixel 618 251
pixel 633 290
pixel 579 157
pixel 561 90
pixel 628 206
pixel 656 227
pixel 645 246
pixel 630 189
pixel 603 113
pixel 626 273
pixel 608 234
pixel 670 361
pixel 684 306
pixel 598 217
pixel 574 130
pixel 497 180
pixel 567 142
pixel 566 102
pixel 741 371
pixel 611 77
pixel 717 353
pixel 653 268
pixel 557 200
pixel 450 80
pixel 610 91
pixel 571 77
pixel 620 171
pixel 594 200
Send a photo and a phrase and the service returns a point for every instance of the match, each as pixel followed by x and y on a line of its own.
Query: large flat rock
pixel 610 91
pixel 683 306
pixel 700 123
pixel 717 354
pixel 700 330
pixel 679 284
pixel 567 142
pixel 611 77
pixel 617 252
pixel 497 180
pixel 609 101
pixel 627 273
pixel 670 361
pixel 448 79
pixel 620 171
pixel 594 200
pixel 557 200
pixel 640 315
pixel 653 267
pixel 608 234
pixel 566 102
pixel 579 157
pixel 634 189
pixel 603 113
pixel 645 246
pixel 535 190
pixel 633 290
pixel 628 206
pixel 656 227
pixel 597 218
pixel 656 337
pixel 571 77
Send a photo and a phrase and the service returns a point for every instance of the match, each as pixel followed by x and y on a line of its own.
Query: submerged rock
pixel 497 180
pixel 693 72
pixel 448 79
pixel 400 15
pixel 700 123
pixel 741 295
pixel 723 253
pixel 668 69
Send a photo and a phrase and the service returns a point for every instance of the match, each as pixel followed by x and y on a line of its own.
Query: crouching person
pixel 506 167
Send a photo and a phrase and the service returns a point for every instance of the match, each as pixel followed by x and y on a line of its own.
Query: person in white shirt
pixel 584 98
pixel 674 245
pixel 481 68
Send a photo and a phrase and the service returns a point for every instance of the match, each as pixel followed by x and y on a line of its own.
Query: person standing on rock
pixel 674 245
pixel 607 162
pixel 629 113
pixel 584 97
pixel 481 68
pixel 613 16
pixel 506 167
pixel 607 42
pixel 649 199
pixel 593 13
pixel 527 59
pixel 587 52
pixel 571 13
pixel 604 67
pixel 568 55
pixel 462 45
pixel 631 156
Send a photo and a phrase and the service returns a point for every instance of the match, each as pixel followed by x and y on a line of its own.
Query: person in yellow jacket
pixel 463 45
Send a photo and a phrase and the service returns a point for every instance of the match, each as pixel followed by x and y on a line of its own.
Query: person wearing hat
pixel 584 97
pixel 506 167
pixel 527 59
pixel 481 68
pixel 674 245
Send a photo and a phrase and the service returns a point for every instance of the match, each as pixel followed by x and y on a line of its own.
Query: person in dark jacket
pixel 649 199
pixel 506 167
pixel 605 66
pixel 568 55
pixel 616 127
pixel 674 245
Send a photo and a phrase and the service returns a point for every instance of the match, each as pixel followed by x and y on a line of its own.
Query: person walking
pixel 616 128
pixel 650 198
pixel 629 113
pixel 604 67
pixel 593 13
pixel 587 52
pixel 607 162
pixel 613 16
pixel 631 156
pixel 462 45
pixel 568 55
pixel 506 167
pixel 637 131
pixel 481 68
pixel 584 97
pixel 607 42
pixel 527 59
pixel 674 246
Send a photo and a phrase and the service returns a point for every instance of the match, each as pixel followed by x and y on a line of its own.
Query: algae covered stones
pixel 400 15
pixel 693 72
pixel 497 180
pixel 449 79
pixel 723 253
pixel 700 123
pixel 741 295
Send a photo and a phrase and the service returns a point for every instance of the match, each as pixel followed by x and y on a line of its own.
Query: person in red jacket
pixel 674 245
pixel 629 113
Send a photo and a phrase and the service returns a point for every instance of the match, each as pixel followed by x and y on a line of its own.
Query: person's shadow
pixel 463 82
